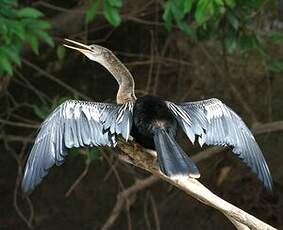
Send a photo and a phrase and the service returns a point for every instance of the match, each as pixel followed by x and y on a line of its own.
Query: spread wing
pixel 216 124
pixel 74 124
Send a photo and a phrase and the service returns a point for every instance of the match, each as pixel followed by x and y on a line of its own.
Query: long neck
pixel 123 76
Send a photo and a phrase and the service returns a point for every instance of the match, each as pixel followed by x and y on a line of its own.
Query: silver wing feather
pixel 75 124
pixel 216 124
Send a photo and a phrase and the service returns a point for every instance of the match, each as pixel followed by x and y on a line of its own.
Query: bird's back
pixel 149 113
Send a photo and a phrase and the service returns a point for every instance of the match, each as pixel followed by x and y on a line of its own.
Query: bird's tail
pixel 173 161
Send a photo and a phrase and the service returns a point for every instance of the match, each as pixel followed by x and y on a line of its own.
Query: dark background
pixel 164 63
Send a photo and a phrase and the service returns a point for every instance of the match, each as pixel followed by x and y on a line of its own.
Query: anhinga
pixel 149 119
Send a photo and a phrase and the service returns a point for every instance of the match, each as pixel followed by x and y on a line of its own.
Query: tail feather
pixel 173 161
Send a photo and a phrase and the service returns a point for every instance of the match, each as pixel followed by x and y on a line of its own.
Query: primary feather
pixel 75 124
pixel 214 123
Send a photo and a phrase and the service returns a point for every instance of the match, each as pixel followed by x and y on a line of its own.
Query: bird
pixel 152 122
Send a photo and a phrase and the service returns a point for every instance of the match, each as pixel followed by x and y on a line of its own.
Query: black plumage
pixel 149 113
pixel 154 127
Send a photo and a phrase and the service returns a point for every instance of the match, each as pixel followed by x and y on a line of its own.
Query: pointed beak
pixel 84 49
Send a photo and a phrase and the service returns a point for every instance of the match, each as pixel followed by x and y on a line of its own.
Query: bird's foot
pixel 131 138
pixel 151 152
pixel 138 147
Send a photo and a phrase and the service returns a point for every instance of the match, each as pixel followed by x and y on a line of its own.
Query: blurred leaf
pixel 9 2
pixel 112 14
pixel 276 37
pixel 275 66
pixel 203 11
pixel 230 3
pixel 18 29
pixel 177 12
pixel 167 16
pixel 252 42
pixel 91 13
pixel 17 43
pixel 29 13
pixel 90 153
pixel 93 153
pixel 58 101
pixel 41 113
pixel 232 19
pixel 231 44
pixel 74 152
pixel 219 2
pixel 8 12
pixel 5 65
pixel 11 53
pixel 187 6
pixel 185 28
pixel 34 44
pixel 252 3
pixel 247 41
pixel 60 52
pixel 45 37
pixel 116 3
pixel 36 24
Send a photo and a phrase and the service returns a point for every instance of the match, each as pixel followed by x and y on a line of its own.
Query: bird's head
pixel 93 52
pixel 107 59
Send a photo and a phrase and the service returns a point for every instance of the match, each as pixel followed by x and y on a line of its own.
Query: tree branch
pixel 268 127
pixel 239 218
pixel 124 196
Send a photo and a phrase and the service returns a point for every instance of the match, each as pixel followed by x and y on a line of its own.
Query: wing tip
pixel 268 184
pixel 26 188
pixel 26 193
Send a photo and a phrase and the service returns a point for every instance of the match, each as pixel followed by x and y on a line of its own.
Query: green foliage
pixel 91 12
pixel 275 66
pixel 110 10
pixel 90 153
pixel 19 27
pixel 276 38
pixel 233 22
pixel 177 10
pixel 230 21
pixel 93 154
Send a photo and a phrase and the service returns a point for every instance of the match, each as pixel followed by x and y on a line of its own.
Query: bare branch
pixel 79 179
pixel 269 127
pixel 54 79
pixel 19 124
pixel 155 213
pixel 226 76
pixel 125 195
pixel 27 219
pixel 203 155
pixel 240 218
